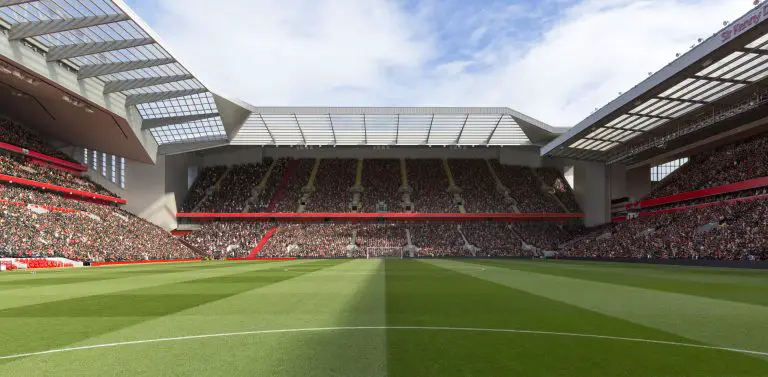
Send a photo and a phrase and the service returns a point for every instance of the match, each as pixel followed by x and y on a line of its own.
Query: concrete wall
pixel 592 189
pixel 617 174
pixel 231 156
pixel 638 182
pixel 145 190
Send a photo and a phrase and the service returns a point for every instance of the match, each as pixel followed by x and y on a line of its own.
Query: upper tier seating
pixel 381 181
pixel 205 180
pixel 332 184
pixel 16 134
pixel 429 183
pixel 731 163
pixel 23 167
pixel 478 186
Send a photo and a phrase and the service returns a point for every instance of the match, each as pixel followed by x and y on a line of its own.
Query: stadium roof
pixel 471 126
pixel 104 39
pixel 729 62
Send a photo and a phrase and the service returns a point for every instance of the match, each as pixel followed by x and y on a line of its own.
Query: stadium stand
pixel 525 189
pixel 228 239
pixel 731 163
pixel 430 185
pixel 381 181
pixel 19 135
pixel 298 179
pixel 44 224
pixel 202 186
pixel 478 187
pixel 332 186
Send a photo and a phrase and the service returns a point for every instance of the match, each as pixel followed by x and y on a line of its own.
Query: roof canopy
pixel 730 61
pixel 373 126
pixel 104 39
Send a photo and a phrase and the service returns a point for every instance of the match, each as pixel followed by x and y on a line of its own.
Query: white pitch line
pixel 418 328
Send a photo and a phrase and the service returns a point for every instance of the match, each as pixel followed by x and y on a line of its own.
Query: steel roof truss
pixel 81 49
pixel 36 28
pixel 298 125
pixel 123 85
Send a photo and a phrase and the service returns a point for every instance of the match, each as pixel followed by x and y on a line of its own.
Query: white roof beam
pixel 7 3
pixel 35 28
pixel 461 131
pixel 82 49
pixel 498 122
pixel 266 127
pixel 333 130
pixel 134 99
pixel 684 100
pixel 94 70
pixel 429 131
pixel 165 121
pixel 298 125
pixel 123 85
pixel 397 129
pixel 722 79
pixel 650 116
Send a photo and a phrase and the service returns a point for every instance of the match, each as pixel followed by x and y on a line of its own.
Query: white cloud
pixel 555 66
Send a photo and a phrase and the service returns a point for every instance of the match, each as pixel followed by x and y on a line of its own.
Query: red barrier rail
pixel 43 157
pixel 703 193
pixel 319 217
pixel 97 264
pixel 703 205
pixel 61 189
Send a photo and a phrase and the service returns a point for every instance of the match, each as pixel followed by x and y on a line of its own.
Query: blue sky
pixel 555 60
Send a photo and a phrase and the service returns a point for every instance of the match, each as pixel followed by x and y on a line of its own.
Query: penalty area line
pixel 353 328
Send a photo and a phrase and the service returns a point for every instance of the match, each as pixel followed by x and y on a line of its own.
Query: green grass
pixel 400 303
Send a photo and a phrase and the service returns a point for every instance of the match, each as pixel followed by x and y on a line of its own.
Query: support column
pixel 405 189
pixel 307 190
pixel 638 183
pixel 357 189
pixel 592 189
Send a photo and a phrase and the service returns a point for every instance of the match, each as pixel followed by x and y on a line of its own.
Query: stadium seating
pixel 227 239
pixel 16 134
pixel 205 180
pixel 298 179
pixel 381 181
pixel 731 163
pixel 78 230
pixel 729 231
pixel 24 167
pixel 332 184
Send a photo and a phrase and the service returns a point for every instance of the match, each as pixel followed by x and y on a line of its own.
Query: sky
pixel 554 60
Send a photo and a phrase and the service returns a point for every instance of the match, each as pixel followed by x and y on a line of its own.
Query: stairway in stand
pixel 292 166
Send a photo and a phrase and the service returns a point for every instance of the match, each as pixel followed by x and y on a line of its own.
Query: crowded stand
pixel 310 241
pixel 332 184
pixel 525 188
pixel 16 134
pixel 733 231
pixel 478 186
pixel 728 164
pixel 559 187
pixel 381 181
pixel 235 189
pixel 493 239
pixel 437 239
pixel 429 183
pixel 381 239
pixel 227 239
pixel 24 167
pixel 43 224
pixel 299 177
pixel 200 188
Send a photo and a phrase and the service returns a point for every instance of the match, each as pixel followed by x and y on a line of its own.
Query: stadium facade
pixel 103 88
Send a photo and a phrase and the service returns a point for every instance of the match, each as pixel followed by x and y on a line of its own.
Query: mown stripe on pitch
pixel 59 323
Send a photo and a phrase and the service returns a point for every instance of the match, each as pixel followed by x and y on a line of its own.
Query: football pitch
pixel 385 318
